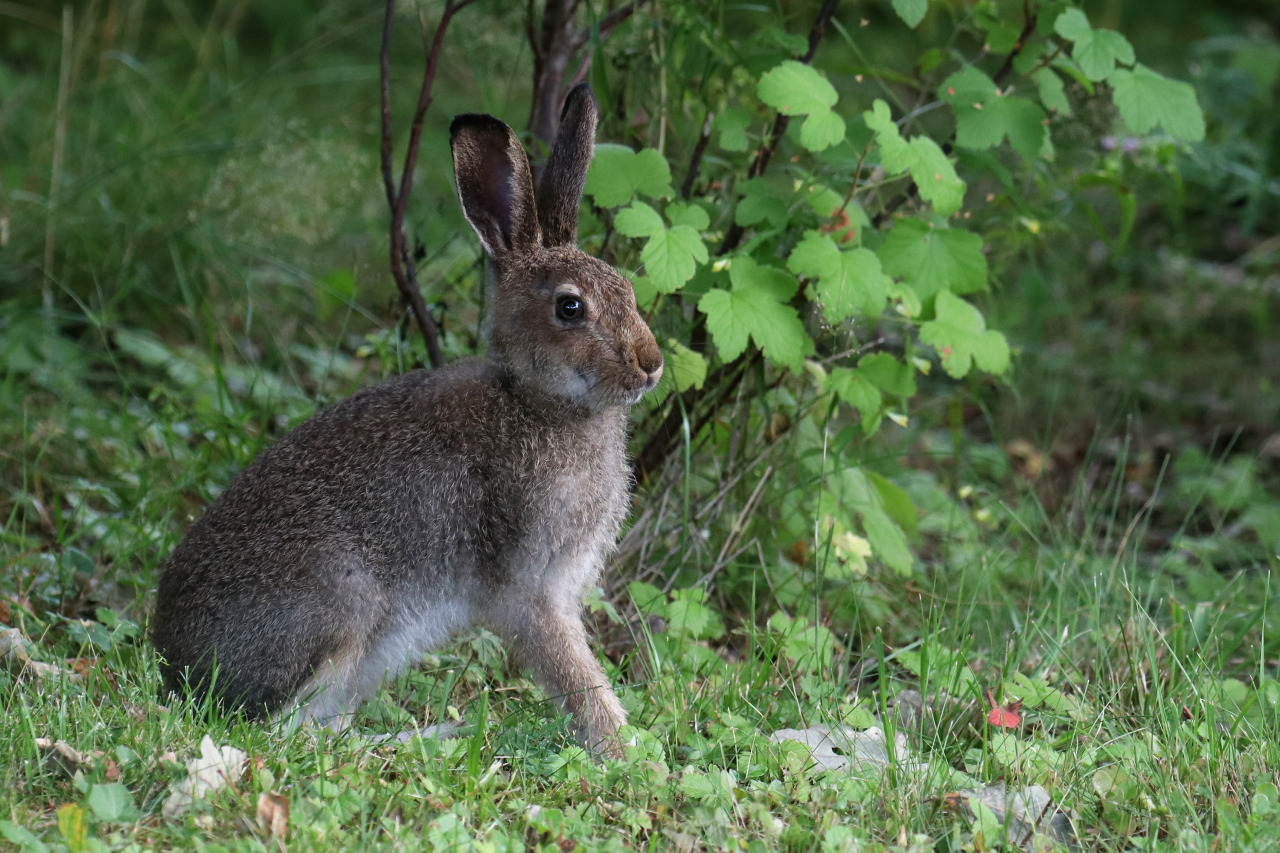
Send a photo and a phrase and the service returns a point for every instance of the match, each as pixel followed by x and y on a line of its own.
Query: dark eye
pixel 570 307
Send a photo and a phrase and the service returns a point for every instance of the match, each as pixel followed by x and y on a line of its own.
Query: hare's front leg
pixel 550 639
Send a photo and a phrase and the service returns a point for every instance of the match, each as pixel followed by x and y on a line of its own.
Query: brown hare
pixel 489 492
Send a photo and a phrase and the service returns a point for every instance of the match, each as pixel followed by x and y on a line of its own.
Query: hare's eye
pixel 570 307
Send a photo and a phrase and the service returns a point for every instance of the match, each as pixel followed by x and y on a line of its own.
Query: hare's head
pixel 564 323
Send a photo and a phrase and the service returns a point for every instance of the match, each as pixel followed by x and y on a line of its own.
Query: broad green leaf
pixel 855 390
pixel 887 373
pixel 934 259
pixel 794 88
pixel 895 153
pixel 639 220
pixel 684 367
pixel 815 256
pixel 671 257
pixel 764 199
pixel 756 308
pixel 911 11
pixel 1095 51
pixel 1146 99
pixel 934 175
pixel 846 281
pixel 888 541
pixel 897 503
pixel 732 125
pixel 821 130
pixel 985 116
pixel 112 802
pixel 618 174
pixel 680 213
pixel 649 599
pixel 1052 93
pixel 961 337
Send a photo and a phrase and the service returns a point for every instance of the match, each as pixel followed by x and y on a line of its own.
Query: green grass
pixel 1151 717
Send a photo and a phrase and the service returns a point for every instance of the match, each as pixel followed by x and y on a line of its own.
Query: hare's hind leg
pixel 551 641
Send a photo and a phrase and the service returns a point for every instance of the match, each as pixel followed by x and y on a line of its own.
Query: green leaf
pixel 846 282
pixel 897 503
pixel 764 199
pixel 985 116
pixel 680 213
pixel 888 541
pixel 887 373
pixel 112 803
pixel 649 599
pixel 934 175
pixel 1095 51
pixel 732 125
pixel 671 257
pixel 756 308
pixel 617 174
pixel 856 391
pixel 1147 99
pixel 961 337
pixel 684 367
pixel 638 220
pixel 1052 93
pixel 934 259
pixel 821 130
pixel 911 11
pixel 794 88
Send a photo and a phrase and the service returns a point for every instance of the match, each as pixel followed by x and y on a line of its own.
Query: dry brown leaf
pixel 273 815
pixel 62 759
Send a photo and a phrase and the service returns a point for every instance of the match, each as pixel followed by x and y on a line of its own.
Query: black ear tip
pixel 478 123
pixel 579 95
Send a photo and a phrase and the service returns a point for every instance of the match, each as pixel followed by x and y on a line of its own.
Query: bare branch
pixel 403 268
pixel 695 159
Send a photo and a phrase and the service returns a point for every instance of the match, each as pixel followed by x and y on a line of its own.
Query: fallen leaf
pixel 17 659
pixel 843 748
pixel 61 759
pixel 1026 814
pixel 273 815
pixel 214 769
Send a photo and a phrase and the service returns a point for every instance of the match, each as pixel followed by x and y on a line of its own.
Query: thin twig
pixel 695 159
pixel 403 268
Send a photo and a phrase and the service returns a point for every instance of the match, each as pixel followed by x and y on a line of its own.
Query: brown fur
pixel 489 492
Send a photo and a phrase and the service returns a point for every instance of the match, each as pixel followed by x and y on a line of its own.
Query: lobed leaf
pixel 960 335
pixel 1146 99
pixel 934 259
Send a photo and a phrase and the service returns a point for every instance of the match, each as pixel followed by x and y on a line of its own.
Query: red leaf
pixel 1005 716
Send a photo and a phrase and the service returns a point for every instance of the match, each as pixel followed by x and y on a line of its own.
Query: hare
pixel 488 492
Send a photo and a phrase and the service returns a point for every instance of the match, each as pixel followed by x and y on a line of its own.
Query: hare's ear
pixel 494 185
pixel 560 191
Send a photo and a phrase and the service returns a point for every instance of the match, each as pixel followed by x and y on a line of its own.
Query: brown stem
pixel 403 268
pixel 1028 28
pixel 695 159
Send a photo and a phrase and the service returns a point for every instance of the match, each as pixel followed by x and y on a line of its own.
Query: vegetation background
pixel 970 431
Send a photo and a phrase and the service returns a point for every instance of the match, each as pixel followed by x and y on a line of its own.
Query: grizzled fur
pixel 489 492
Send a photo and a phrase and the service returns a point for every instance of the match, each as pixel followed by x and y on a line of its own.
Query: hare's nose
pixel 649 359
